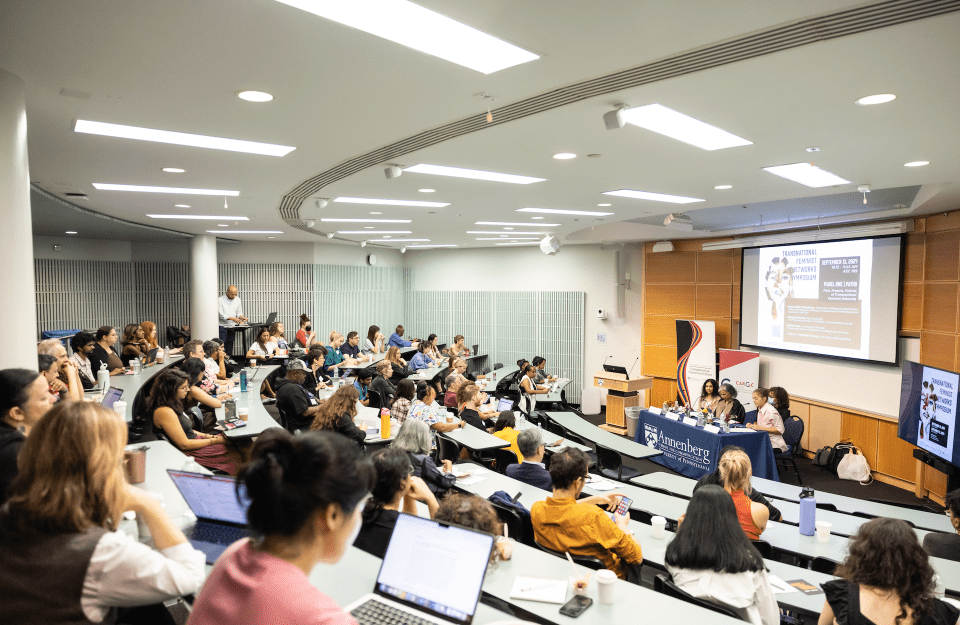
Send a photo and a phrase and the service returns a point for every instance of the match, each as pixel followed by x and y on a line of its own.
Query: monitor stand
pixel 952 472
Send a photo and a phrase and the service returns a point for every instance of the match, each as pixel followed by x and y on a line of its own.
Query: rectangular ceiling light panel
pixel 374 232
pixel 475 174
pixel 180 138
pixel 368 221
pixel 664 121
pixel 560 211
pixel 807 174
pixel 178 190
pixel 245 231
pixel 414 26
pixel 509 234
pixel 515 223
pixel 220 217
pixel 656 197
pixel 502 238
pixel 367 200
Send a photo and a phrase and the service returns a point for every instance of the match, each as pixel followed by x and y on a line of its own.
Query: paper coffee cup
pixel 135 464
pixel 253 363
pixel 605 584
pixel 823 531
pixel 659 526
pixel 120 407
pixel 243 412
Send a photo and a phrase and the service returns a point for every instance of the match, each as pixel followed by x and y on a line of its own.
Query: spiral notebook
pixel 539 589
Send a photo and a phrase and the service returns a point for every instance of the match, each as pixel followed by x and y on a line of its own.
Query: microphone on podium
pixel 632 366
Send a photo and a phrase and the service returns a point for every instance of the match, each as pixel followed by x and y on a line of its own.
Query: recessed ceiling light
pixel 174 170
pixel 511 223
pixel 503 236
pixel 515 243
pixel 375 213
pixel 508 228
pixel 133 187
pixel 564 156
pixel 401 240
pixel 374 232
pixel 223 225
pixel 806 174
pixel 541 217
pixel 70 232
pixel 474 174
pixel 180 138
pixel 557 211
pixel 419 28
pixel 369 227
pixel 426 246
pixel 181 206
pixel 656 197
pixel 245 231
pixel 367 200
pixel 879 98
pixel 387 236
pixel 660 119
pixel 255 96
pixel 597 205
pixel 271 237
pixel 427 190
pixel 367 221
pixel 916 163
pixel 723 186
pixel 498 232
pixel 227 217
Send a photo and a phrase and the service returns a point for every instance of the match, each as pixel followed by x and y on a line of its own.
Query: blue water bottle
pixel 808 512
pixel 243 381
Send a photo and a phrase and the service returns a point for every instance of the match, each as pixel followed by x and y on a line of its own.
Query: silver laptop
pixel 407 593
pixel 221 518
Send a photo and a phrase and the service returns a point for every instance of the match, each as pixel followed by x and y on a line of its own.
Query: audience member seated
pixel 215 365
pixel 406 394
pixel 781 401
pixel 453 381
pixel 709 397
pixel 63 559
pixel 336 363
pixel 768 420
pixel 425 408
pixel 194 349
pixel 104 352
pixel 66 382
pixel 468 510
pixel 754 495
pixel 373 344
pixel 540 376
pixel 396 339
pixel 711 558
pixel 315 359
pixel 729 404
pixel 396 484
pixel 420 360
pixel 47 366
pixel 150 334
pixel 735 474
pixel 134 344
pixel 277 337
pixel 564 523
pixel 398 365
pixel 305 335
pixel 296 403
pixel 24 398
pixel 83 344
pixel 304 493
pixel 886 579
pixel 351 349
pixel 528 387
pixel 469 398
pixel 362 384
pixel 531 470
pixel 166 404
pixel 262 349
pixel 506 429
pixel 195 370
pixel 430 348
pixel 381 384
pixel 336 414
pixel 458 347
pixel 414 438
pixel 946 546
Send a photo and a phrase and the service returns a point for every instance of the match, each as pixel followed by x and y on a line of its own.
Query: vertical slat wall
pixel 83 294
pixel 507 325
pixel 161 295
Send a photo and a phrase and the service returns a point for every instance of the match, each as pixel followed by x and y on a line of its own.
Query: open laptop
pixel 615 369
pixel 504 405
pixel 111 396
pixel 405 594
pixel 221 519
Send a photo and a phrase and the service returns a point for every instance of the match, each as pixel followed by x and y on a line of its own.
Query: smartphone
pixel 623 507
pixel 576 606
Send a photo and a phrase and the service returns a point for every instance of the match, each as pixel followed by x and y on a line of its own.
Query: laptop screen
pixel 504 405
pixel 111 396
pixel 438 568
pixel 210 497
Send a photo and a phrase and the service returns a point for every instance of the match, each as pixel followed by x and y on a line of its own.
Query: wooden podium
pixel 621 394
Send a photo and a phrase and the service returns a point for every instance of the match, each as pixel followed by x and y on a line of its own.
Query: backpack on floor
pixel 840 451
pixel 822 457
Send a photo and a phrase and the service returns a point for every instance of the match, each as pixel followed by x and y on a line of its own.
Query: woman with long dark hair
pixel 337 414
pixel 373 344
pixel 133 344
pixel 710 557
pixel 885 580
pixel 24 399
pixel 262 348
pixel 709 396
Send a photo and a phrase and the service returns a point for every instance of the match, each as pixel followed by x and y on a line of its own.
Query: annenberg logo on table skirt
pixel 650 435
pixel 680 450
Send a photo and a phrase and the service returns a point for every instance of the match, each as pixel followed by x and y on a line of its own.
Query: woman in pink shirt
pixel 768 419
pixel 304 493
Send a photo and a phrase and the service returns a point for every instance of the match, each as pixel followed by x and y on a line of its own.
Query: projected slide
pixel 937 412
pixel 816 297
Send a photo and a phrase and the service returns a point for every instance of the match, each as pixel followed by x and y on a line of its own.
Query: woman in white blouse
pixel 262 349
pixel 58 529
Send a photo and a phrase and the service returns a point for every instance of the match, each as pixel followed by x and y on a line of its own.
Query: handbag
pixel 854 466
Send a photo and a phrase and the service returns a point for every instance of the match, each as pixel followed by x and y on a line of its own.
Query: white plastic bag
pixel 854 466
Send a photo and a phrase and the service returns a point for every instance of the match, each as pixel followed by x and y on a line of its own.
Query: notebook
pixel 406 593
pixel 539 589
pixel 221 518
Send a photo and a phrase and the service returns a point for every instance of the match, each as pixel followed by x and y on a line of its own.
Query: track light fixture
pixel 614 120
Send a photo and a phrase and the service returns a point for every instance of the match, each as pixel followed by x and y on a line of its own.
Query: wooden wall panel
pixel 715 267
pixel 894 456
pixel 940 307
pixel 660 330
pixel 942 256
pixel 913 258
pixel 737 266
pixel 824 427
pixel 662 391
pixel 863 432
pixel 670 267
pixel 713 300
pixel 934 481
pixel 938 350
pixel 735 302
pixel 722 326
pixel 938 223
pixel 802 410
pixel 670 299
pixel 912 318
pixel 660 361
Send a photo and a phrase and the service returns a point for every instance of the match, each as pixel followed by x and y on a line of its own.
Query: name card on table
pixel 712 429
pixel 671 415
pixel 690 421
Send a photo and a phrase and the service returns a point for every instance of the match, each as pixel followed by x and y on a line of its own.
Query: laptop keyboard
pixel 374 612
pixel 218 534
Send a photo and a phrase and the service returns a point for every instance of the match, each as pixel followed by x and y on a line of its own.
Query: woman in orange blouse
pixel 735 473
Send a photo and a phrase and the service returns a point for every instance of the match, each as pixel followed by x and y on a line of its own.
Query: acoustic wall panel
pixel 83 294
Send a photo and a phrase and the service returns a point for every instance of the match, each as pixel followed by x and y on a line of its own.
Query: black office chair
pixel 589 562
pixel 504 458
pixel 555 428
pixel 447 449
pixel 485 370
pixel 518 527
pixel 374 400
pixel 497 365
pixel 829 507
pixel 824 565
pixel 792 434
pixel 664 585
pixel 573 438
pixel 909 506
pixel 765 548
pixel 611 465
pixel 867 515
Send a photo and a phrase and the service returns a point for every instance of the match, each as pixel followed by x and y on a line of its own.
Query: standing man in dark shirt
pixel 296 403
pixel 714 478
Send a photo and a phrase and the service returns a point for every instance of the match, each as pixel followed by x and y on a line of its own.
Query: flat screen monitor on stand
pixel 928 417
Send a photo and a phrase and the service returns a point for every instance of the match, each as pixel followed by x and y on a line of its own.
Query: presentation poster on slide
pixel 816 298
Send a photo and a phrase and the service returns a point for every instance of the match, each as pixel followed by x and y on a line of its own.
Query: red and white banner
pixel 742 370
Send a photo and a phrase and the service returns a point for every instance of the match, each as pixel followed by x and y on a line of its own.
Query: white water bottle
pixel 103 377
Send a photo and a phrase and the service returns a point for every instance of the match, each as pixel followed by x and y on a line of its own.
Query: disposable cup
pixel 135 464
pixel 243 412
pixel 659 526
pixel 605 585
pixel 823 531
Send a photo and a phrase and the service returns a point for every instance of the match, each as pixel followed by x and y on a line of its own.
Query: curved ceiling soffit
pixel 777 39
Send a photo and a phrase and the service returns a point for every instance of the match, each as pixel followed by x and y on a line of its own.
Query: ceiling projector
pixel 678 221
pixel 549 245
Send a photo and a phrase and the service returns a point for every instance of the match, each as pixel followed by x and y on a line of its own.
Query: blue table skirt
pixel 692 452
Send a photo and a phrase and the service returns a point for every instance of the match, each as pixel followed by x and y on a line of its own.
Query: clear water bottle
pixel 191 466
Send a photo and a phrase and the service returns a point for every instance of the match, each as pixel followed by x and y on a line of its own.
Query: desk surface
pixel 161 456
pixel 586 430
pixel 550 437
pixel 476 439
pixel 556 392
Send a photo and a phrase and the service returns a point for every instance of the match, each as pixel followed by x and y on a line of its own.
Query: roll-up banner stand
pixel 742 370
pixel 696 357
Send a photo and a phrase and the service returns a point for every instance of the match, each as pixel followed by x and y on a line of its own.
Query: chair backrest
pixel 513 521
pixel 586 561
pixel 765 549
pixel 374 399
pixel 498 365
pixel 555 428
pixel 505 458
pixel 663 584
pixel 823 565
pixel 485 370
pixel 447 449
pixel 750 417
pixel 793 430
pixel 608 459
pixel 826 506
